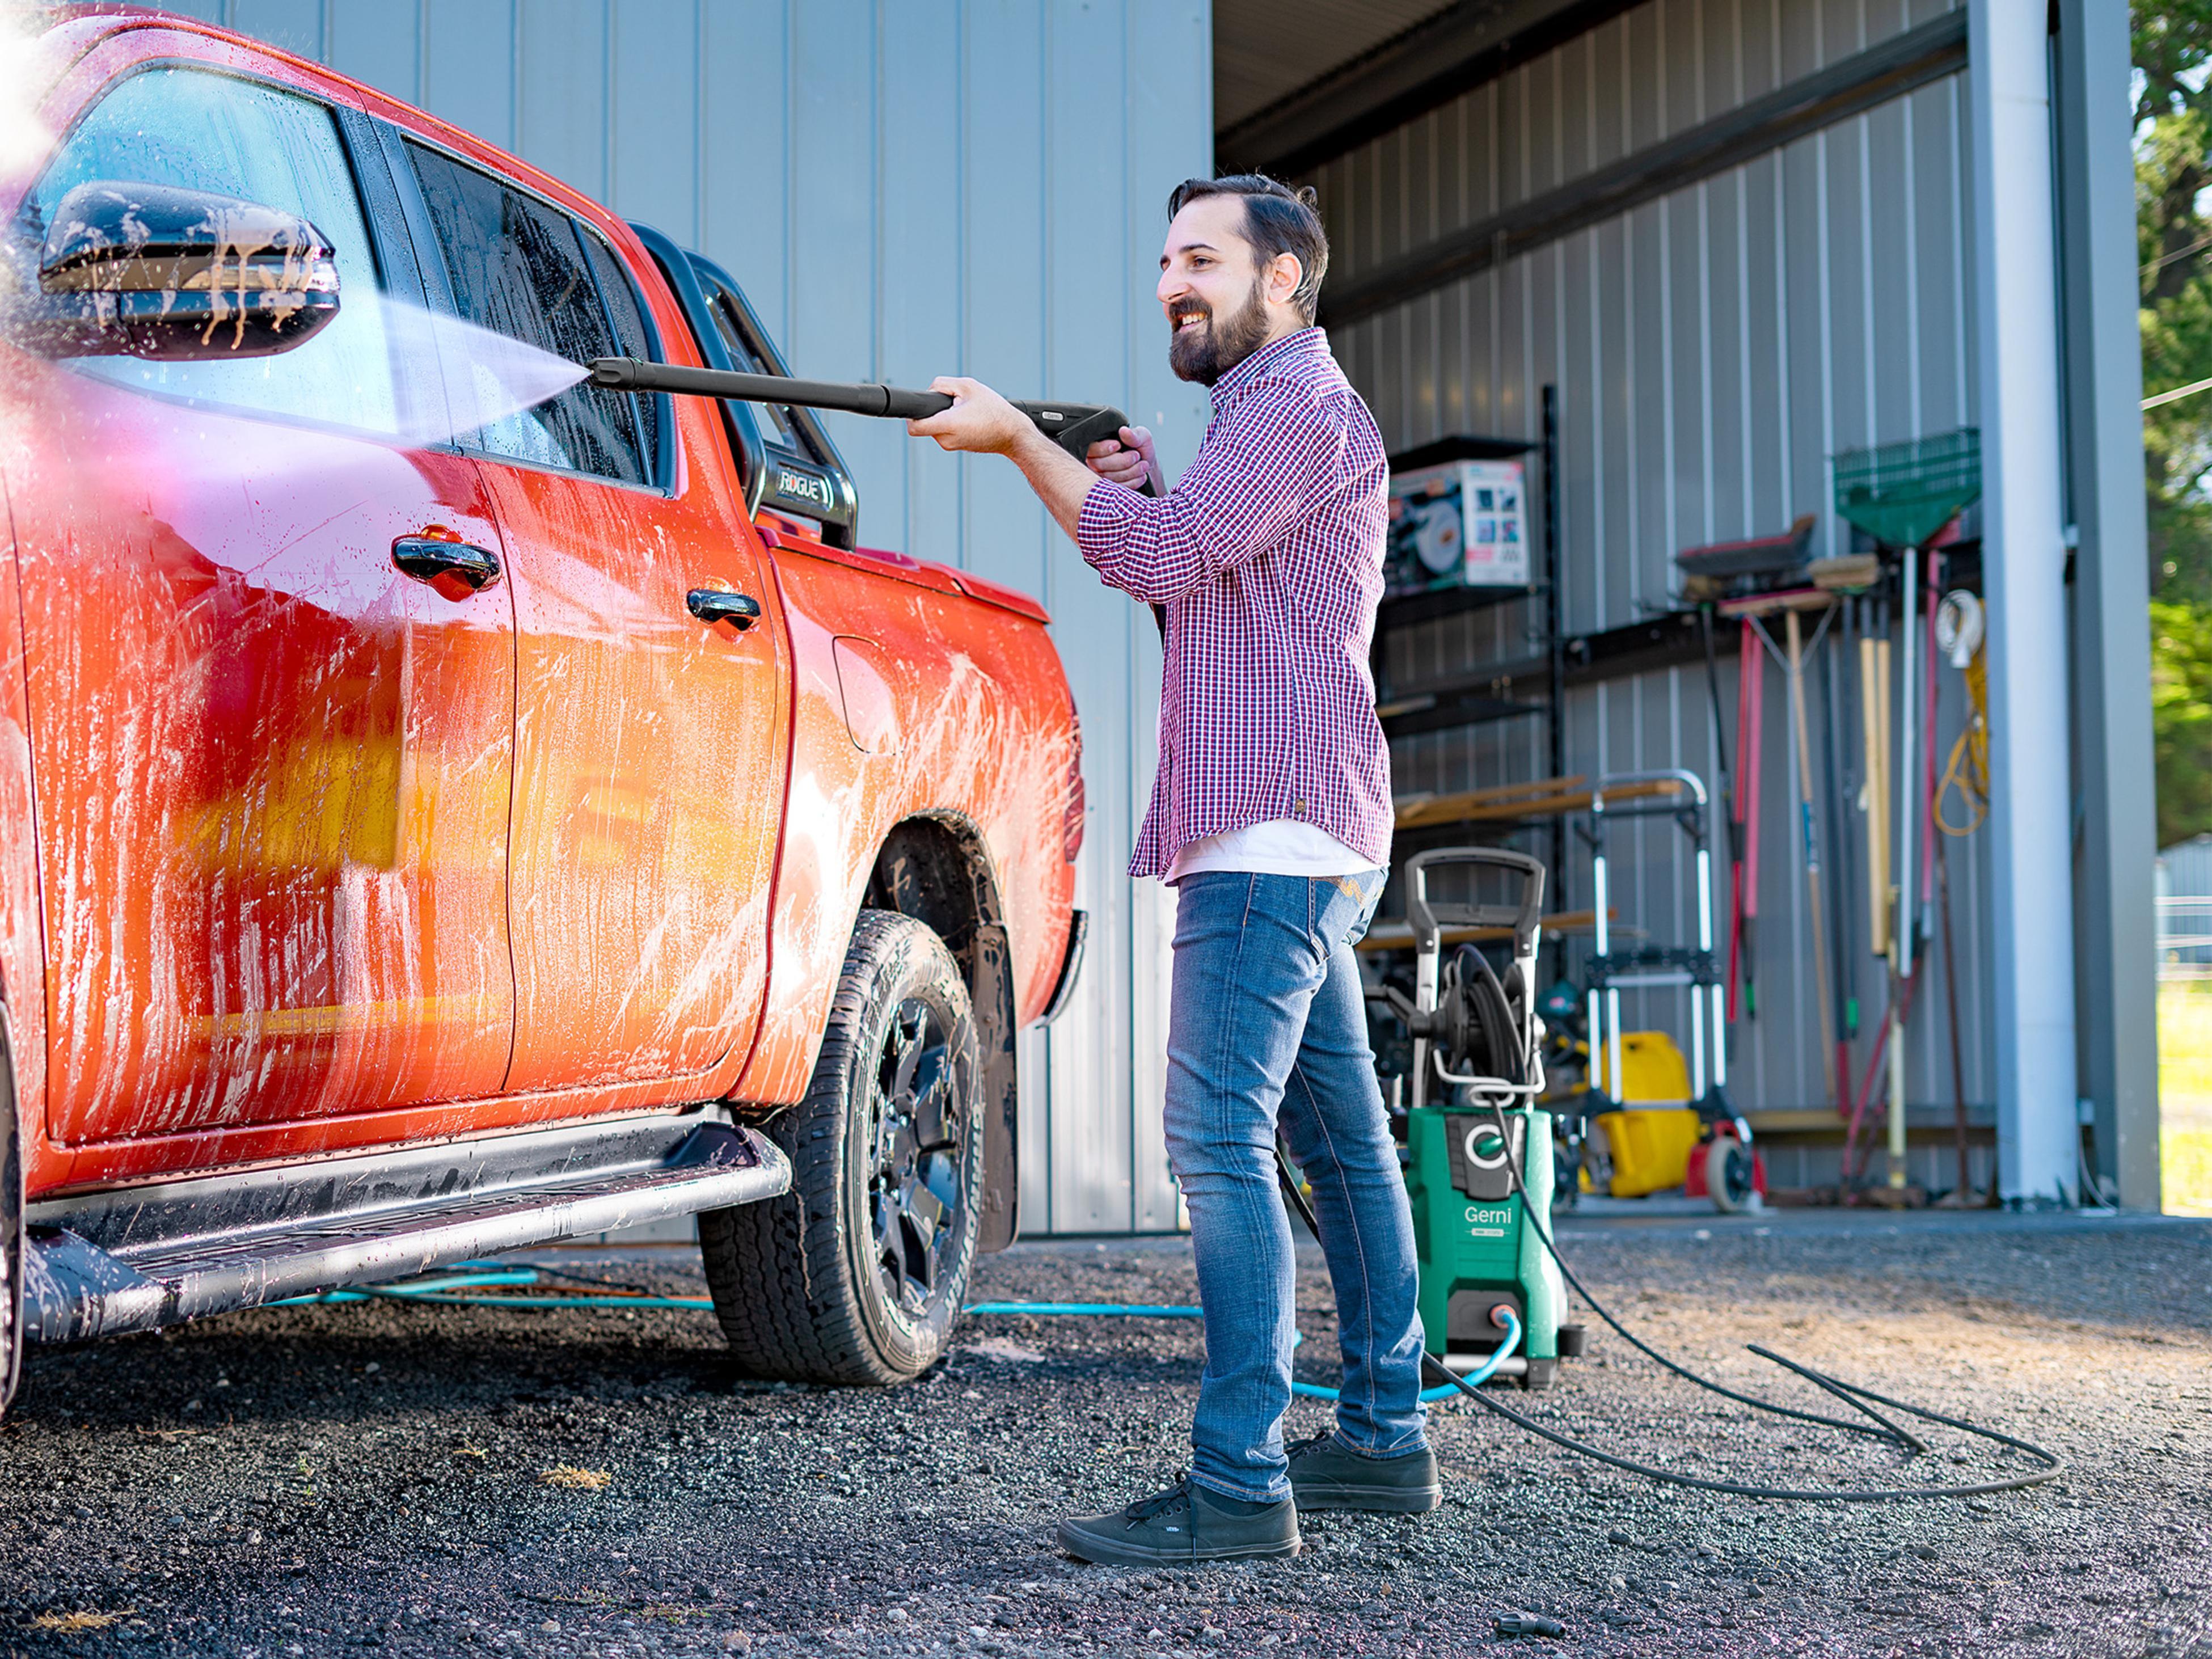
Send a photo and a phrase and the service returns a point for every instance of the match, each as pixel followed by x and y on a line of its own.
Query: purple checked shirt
pixel 1268 560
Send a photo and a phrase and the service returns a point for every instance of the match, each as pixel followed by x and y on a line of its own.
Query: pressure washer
pixel 1481 1037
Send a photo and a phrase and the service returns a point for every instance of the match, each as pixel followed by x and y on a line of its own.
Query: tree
pixel 2181 717
pixel 2173 234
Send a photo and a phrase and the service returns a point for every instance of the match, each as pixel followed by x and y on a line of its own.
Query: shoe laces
pixel 1299 1447
pixel 1161 1501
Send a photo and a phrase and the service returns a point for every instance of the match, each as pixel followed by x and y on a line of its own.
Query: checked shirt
pixel 1267 560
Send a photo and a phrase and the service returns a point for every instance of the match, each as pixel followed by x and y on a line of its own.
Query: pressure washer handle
pixel 1074 427
pixel 1428 919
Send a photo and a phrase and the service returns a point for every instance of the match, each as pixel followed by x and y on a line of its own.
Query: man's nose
pixel 1172 288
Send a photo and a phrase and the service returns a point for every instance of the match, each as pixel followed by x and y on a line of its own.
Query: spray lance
pixel 1074 427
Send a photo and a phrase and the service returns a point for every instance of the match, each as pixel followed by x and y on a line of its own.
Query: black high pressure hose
pixel 1850 1393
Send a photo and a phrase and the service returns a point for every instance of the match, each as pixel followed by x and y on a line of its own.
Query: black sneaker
pixel 1327 1474
pixel 1183 1525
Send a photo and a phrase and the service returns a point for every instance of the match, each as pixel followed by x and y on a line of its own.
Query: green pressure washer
pixel 1477 1050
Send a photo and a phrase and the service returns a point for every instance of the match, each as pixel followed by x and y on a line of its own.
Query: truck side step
pixel 143 1256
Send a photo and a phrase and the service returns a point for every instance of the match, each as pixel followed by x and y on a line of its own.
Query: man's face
pixel 1212 290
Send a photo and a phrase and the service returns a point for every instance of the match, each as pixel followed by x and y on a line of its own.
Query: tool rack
pixel 1535 683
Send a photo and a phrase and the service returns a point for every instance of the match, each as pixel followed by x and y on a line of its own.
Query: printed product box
pixel 1464 523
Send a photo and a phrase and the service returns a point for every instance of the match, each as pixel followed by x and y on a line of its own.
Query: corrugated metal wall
pixel 903 191
pixel 1712 349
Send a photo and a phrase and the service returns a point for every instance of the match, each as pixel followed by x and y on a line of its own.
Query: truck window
pixel 520 267
pixel 198 130
pixel 751 361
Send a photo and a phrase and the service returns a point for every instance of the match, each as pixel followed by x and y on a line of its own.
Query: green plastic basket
pixel 1902 494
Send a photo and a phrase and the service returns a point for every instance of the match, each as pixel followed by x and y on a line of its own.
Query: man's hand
pixel 980 420
pixel 1127 461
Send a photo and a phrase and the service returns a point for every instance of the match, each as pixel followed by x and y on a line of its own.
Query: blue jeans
pixel 1268 1027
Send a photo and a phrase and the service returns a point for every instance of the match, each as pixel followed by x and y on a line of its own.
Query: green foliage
pixel 2181 717
pixel 2173 232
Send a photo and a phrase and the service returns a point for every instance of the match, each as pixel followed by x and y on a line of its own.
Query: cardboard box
pixel 1464 523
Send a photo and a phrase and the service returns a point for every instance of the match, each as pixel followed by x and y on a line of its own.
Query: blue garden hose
pixel 1128 1309
pixel 453 1290
pixel 461 1287
pixel 1475 1378
pixel 456 1290
pixel 1103 1310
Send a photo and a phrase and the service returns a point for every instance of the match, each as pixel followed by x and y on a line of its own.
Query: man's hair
pixel 1277 220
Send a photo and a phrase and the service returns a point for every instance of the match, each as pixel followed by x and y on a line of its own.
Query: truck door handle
pixel 455 568
pixel 714 605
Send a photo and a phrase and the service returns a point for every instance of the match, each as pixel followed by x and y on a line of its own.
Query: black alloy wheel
pixel 915 1191
pixel 857 1274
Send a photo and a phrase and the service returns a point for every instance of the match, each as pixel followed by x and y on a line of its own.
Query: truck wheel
pixel 857 1274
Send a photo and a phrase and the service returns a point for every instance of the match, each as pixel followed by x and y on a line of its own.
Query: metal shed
pixel 1736 235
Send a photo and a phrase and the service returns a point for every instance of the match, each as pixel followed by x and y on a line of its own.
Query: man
pixel 1272 816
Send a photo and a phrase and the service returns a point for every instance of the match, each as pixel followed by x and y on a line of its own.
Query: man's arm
pixel 1256 473
pixel 980 422
pixel 1062 482
pixel 1237 500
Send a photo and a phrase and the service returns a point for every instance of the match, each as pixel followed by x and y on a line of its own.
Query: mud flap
pixel 990 988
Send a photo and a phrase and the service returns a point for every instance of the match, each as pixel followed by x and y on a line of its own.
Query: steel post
pixel 2024 560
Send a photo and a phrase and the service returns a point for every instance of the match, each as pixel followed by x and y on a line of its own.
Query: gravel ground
pixel 308 1481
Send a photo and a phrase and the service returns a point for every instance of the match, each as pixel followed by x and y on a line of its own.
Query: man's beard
pixel 1207 353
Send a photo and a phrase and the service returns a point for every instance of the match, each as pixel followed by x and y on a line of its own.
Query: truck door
pixel 272 770
pixel 650 708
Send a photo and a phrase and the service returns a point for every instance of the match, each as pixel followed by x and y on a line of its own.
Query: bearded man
pixel 1271 816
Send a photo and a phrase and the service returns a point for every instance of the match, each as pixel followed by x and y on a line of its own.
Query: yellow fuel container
pixel 1652 1140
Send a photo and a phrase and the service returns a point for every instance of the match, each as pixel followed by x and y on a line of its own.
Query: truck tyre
pixel 857 1274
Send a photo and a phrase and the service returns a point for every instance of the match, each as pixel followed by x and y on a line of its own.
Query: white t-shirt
pixel 1281 847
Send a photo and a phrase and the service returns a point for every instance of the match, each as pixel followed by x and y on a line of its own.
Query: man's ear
pixel 1285 273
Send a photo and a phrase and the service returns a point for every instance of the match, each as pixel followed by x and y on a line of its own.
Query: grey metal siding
pixel 2185 869
pixel 904 190
pixel 1712 349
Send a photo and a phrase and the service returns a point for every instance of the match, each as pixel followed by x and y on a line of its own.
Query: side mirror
pixel 150 270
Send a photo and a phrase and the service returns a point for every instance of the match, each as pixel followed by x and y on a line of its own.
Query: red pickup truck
pixel 435 820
